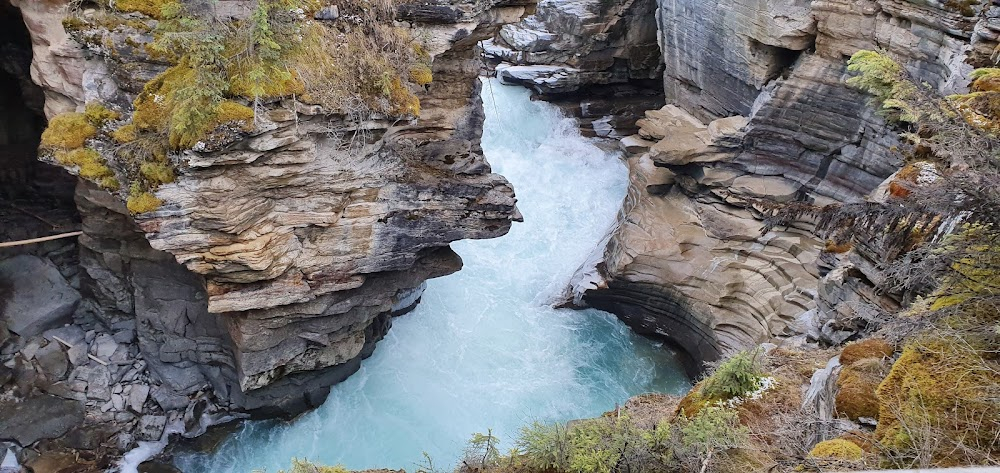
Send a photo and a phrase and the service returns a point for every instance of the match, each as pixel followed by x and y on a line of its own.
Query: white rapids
pixel 484 349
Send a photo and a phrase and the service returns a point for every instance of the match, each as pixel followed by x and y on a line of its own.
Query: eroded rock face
pixel 762 110
pixel 278 260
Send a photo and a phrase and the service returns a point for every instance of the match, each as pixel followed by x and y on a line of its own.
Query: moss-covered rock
pixel 837 449
pixel 938 402
pixel 68 131
pixel 867 348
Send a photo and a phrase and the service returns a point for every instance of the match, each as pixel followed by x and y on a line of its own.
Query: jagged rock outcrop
pixel 688 259
pixel 279 258
pixel 597 60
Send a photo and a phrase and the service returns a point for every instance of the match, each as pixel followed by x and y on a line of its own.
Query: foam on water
pixel 484 349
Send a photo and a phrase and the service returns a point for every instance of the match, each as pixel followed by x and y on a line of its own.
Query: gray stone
pixel 150 427
pixel 52 359
pixel 118 402
pixel 104 346
pixel 98 379
pixel 329 12
pixel 38 417
pixel 78 354
pixel 72 334
pixel 167 399
pixel 40 298
pixel 137 397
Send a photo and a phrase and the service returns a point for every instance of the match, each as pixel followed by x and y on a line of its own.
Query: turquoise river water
pixel 485 349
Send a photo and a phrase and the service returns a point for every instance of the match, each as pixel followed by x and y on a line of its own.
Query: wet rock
pixel 150 427
pixel 38 417
pixel 9 462
pixel 40 298
pixel 168 399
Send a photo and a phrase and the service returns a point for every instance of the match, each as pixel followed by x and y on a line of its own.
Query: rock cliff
pixel 279 256
pixel 761 109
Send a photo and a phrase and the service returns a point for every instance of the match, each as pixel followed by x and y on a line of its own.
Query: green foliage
pixel 738 375
pixel 482 451
pixel 545 446
pixel 713 429
pixel 884 78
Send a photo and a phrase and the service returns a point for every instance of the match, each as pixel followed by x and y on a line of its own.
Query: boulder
pixel 39 298
pixel 38 417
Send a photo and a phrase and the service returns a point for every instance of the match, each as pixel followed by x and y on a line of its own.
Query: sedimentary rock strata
pixel 688 259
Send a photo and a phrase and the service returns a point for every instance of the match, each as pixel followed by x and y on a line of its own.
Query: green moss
pixel 68 131
pixel 837 449
pixel 110 183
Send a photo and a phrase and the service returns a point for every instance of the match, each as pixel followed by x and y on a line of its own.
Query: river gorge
pixel 635 235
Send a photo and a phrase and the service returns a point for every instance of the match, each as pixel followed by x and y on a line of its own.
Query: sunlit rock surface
pixel 278 260
pixel 760 108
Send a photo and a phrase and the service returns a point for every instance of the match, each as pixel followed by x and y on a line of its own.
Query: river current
pixel 485 349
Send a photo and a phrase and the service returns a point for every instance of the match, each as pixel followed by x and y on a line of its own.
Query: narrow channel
pixel 485 349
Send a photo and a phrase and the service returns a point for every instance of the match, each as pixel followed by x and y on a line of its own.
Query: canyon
pixel 280 258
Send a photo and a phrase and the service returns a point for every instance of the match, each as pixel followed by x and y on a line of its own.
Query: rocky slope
pixel 277 260
pixel 761 108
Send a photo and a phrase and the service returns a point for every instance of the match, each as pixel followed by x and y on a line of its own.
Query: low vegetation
pixel 221 75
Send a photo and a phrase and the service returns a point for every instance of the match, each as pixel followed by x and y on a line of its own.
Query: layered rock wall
pixel 688 260
pixel 280 256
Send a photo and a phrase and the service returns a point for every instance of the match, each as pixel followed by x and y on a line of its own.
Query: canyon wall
pixel 279 256
pixel 761 109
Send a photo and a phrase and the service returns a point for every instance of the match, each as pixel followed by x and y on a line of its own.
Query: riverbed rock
pixel 150 427
pixel 39 297
pixel 38 417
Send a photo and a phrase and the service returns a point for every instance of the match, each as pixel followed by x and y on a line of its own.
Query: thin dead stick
pixel 39 240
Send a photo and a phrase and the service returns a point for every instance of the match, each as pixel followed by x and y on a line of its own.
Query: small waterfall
pixel 484 349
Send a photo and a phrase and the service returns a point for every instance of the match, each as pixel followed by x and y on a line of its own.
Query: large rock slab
pixel 38 297
pixel 36 418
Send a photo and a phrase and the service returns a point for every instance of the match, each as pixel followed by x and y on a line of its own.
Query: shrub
pixel 837 449
pixel 710 436
pixel 738 375
pixel 545 446
pixel 68 131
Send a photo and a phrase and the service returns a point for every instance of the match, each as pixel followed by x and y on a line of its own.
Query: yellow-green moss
pixel 937 401
pixel 98 114
pixel 90 163
pixel 140 201
pixel 157 173
pixel 421 74
pixel 867 348
pixel 261 79
pixel 68 131
pixel 837 449
pixel 110 183
pixel 126 133
pixel 151 8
